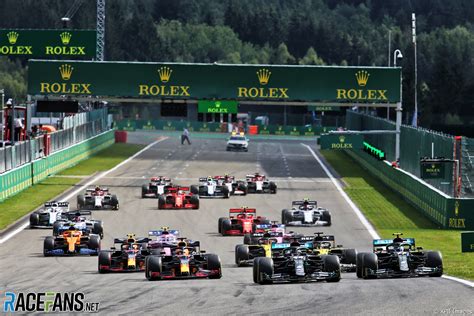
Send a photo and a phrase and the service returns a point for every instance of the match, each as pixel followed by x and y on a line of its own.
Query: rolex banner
pixel 349 85
pixel 341 141
pixel 432 170
pixel 52 44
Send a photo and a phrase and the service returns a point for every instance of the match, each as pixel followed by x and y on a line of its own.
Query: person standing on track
pixel 185 137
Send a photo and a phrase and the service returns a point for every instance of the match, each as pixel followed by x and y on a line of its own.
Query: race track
pixel 298 175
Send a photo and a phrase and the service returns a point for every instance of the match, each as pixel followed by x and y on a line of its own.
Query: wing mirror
pixel 339 246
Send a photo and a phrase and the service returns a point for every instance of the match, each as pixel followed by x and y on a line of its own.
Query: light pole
pixel 397 54
pixel 2 91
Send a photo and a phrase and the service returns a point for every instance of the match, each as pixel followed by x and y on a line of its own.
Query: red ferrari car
pixel 178 198
pixel 241 221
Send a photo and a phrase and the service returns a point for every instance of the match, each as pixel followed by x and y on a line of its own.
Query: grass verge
pixel 26 201
pixel 389 213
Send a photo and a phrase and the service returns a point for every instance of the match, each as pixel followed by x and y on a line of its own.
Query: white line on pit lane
pixel 83 187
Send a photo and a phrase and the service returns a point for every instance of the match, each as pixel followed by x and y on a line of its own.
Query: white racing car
pixel 306 213
pixel 50 213
pixel 79 221
pixel 210 187
pixel 97 198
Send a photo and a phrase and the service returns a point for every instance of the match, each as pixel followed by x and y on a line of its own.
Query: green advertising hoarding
pixel 342 141
pixel 48 43
pixel 209 106
pixel 376 85
pixel 467 241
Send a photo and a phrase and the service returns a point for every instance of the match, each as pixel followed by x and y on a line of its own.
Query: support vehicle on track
pixel 50 213
pixel 241 221
pixel 97 198
pixel 178 198
pixel 186 261
pixel 306 213
pixel 157 186
pixel 398 258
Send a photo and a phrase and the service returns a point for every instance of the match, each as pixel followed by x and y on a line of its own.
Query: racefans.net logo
pixel 48 302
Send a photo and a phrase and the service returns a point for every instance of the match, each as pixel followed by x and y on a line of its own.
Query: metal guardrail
pixel 24 152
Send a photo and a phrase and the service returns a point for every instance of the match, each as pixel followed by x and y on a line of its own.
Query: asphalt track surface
pixel 298 175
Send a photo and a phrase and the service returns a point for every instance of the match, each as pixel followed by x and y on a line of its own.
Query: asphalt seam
pixel 26 223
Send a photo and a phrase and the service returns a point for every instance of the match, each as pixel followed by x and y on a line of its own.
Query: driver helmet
pixel 135 246
pixel 397 247
pixel 97 188
pixel 180 191
pixel 77 218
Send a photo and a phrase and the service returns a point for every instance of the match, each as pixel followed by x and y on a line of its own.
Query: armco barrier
pixel 437 206
pixel 16 180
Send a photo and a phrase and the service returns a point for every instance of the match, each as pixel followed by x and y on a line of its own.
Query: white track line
pixel 75 192
pixel 354 207
pixel 362 218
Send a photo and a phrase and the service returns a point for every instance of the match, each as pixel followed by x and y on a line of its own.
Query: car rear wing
pixel 269 226
pixel 242 210
pixel 324 238
pixel 56 204
pixel 377 243
pixel 137 240
pixel 176 189
pixel 156 233
pixel 313 203
pixel 287 245
pixel 203 179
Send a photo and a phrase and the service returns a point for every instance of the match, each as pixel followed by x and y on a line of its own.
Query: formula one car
pixel 306 213
pixel 45 217
pixel 166 239
pixel 245 254
pixel 236 187
pixel 241 221
pixel 210 187
pixel 186 261
pixel 178 198
pixel 326 245
pixel 258 183
pixel 296 263
pixel 398 258
pixel 80 221
pixel 237 142
pixel 129 258
pixel 274 230
pixel 156 186
pixel 97 198
pixel 72 241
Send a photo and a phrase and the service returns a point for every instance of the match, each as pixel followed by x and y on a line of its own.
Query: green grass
pixel 26 201
pixel 389 213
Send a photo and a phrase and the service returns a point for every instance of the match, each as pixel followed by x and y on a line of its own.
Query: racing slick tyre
pixel 326 217
pixel 350 256
pixel 161 202
pixel 34 219
pixel 195 189
pixel 226 226
pixel 243 187
pixel 359 263
pixel 369 261
pixel 81 202
pixel 264 265
pixel 273 187
pixel 144 190
pixel 56 228
pixel 98 229
pixel 331 264
pixel 247 239
pixel 255 263
pixel 48 245
pixel 94 243
pixel 105 261
pixel 195 202
pixel 219 224
pixel 153 264
pixel 114 202
pixel 214 263
pixel 226 192
pixel 241 255
pixel 286 216
pixel 434 260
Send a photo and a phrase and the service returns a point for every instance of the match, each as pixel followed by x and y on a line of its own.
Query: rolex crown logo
pixel 362 77
pixel 12 37
pixel 66 71
pixel 263 76
pixel 65 37
pixel 342 139
pixel 218 104
pixel 165 74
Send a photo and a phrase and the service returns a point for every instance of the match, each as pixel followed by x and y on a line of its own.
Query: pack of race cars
pixel 275 253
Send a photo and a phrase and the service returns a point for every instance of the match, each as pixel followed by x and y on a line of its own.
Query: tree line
pixel 307 32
